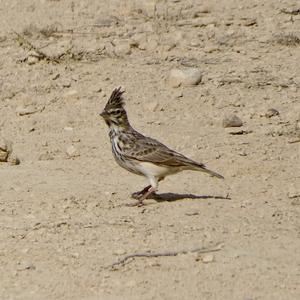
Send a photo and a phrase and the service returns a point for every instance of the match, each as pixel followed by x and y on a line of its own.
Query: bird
pixel 140 154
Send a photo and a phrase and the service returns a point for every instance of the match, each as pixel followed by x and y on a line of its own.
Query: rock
pixel 66 83
pixel 33 57
pixel 293 192
pixel 145 7
pixel 232 121
pixel 32 60
pixel 208 258
pixel 119 252
pixel 68 128
pixel 26 110
pixel 185 77
pixel 13 160
pixel 295 201
pixel 72 151
pixel 71 95
pixel 5 149
pixel 178 94
pixel 271 113
pixel 3 155
pixel 46 156
pixel 25 265
pixel 122 49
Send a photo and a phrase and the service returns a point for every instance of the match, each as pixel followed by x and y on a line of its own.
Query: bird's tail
pixel 202 168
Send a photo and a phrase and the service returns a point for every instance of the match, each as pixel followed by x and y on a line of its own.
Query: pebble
pixel 13 160
pixel 25 265
pixel 46 156
pixel 3 155
pixel 72 151
pixel 26 110
pixel 5 149
pixel 271 112
pixel 232 121
pixel 68 128
pixel 178 94
pixel 122 49
pixel 208 258
pixel 119 252
pixel 66 83
pixel 33 57
pixel 31 60
pixel 71 95
pixel 185 77
pixel 294 192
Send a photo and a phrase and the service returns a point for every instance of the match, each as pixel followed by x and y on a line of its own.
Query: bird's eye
pixel 117 111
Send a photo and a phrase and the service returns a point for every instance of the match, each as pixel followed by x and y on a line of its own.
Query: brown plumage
pixel 140 154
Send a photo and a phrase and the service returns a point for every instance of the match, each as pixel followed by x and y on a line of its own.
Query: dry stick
pixel 31 47
pixel 167 253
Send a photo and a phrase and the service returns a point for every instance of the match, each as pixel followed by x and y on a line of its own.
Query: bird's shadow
pixel 170 197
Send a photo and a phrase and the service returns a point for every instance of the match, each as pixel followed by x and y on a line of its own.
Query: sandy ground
pixel 63 219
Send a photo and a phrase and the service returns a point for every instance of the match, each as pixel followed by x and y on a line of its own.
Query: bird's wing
pixel 151 150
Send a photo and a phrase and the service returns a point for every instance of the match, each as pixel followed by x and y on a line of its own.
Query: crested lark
pixel 143 155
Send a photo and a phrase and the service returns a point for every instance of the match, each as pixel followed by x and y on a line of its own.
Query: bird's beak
pixel 103 115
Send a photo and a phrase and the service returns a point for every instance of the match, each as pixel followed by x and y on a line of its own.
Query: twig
pixel 122 261
pixel 29 46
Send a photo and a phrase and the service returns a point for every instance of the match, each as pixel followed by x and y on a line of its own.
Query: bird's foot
pixel 138 195
pixel 142 195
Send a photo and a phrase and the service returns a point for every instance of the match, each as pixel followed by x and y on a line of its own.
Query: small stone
pixel 71 95
pixel 3 155
pixel 66 83
pixel 271 112
pixel 151 45
pixel 178 94
pixel 26 110
pixel 294 192
pixel 72 151
pixel 208 258
pixel 13 160
pixel 25 265
pixel 296 201
pixel 119 252
pixel 249 22
pixel 5 149
pixel 46 156
pixel 195 43
pixel 185 77
pixel 237 131
pixel 68 128
pixel 122 49
pixel 31 60
pixel 232 121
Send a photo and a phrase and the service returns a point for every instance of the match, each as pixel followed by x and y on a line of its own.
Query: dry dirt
pixel 63 218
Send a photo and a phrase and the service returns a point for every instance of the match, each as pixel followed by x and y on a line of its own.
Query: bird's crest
pixel 116 99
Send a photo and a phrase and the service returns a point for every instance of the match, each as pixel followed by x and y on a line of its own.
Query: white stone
pixel 231 120
pixel 28 110
pixel 71 95
pixel 208 258
pixel 122 49
pixel 72 151
pixel 185 77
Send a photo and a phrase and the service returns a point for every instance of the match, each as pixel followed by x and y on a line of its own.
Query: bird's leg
pixel 142 197
pixel 139 194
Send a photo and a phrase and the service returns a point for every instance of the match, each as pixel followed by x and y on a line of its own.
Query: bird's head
pixel 114 113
